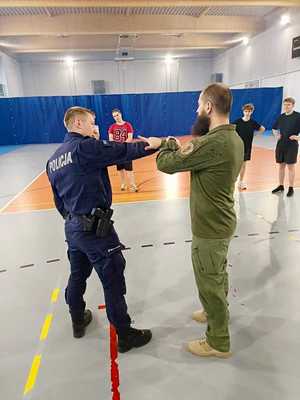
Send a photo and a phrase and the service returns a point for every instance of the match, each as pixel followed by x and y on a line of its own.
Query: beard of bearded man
pixel 201 125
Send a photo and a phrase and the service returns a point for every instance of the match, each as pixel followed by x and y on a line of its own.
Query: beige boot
pixel 202 349
pixel 200 316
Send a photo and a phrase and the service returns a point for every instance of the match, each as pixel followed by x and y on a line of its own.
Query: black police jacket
pixel 78 172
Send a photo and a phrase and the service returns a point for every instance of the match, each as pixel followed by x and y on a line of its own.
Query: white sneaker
pixel 123 187
pixel 133 188
pixel 242 185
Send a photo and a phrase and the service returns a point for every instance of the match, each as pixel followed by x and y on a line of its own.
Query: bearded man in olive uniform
pixel 214 156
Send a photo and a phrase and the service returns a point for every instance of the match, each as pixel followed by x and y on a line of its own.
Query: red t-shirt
pixel 120 132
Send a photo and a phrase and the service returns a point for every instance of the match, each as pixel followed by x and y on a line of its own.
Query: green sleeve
pixel 194 155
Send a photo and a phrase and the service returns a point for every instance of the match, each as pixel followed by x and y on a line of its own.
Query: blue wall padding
pixel 27 120
pixel 267 102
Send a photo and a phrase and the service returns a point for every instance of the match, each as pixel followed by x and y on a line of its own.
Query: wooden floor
pixel 261 175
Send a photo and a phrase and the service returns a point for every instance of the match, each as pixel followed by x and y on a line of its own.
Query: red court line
pixel 114 367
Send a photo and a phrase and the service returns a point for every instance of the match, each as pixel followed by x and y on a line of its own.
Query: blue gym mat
pixel 8 149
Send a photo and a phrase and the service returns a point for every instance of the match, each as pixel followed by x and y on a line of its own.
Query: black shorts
pixel 126 166
pixel 247 151
pixel 286 153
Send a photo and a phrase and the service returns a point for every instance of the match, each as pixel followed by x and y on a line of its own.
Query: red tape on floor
pixel 114 367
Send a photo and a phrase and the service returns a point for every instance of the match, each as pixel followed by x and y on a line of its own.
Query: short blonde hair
pixel 289 100
pixel 73 112
pixel 248 106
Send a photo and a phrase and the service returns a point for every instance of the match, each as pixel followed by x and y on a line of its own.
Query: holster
pixel 89 223
pixel 104 222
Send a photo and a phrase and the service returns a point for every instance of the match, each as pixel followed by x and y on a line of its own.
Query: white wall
pixel 2 75
pixel 10 75
pixel 194 74
pixel 267 59
pixel 139 76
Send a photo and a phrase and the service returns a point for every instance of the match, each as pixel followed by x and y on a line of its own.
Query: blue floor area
pixel 8 149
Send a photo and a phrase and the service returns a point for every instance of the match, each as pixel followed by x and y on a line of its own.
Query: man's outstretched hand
pixel 154 143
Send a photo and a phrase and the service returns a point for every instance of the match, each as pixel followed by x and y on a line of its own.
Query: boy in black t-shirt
pixel 245 127
pixel 288 126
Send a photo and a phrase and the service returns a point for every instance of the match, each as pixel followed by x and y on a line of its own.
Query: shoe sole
pixel 78 335
pixel 217 354
pixel 124 350
pixel 82 333
pixel 199 321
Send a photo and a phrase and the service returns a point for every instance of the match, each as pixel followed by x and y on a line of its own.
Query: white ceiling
pixel 47 29
pixel 175 10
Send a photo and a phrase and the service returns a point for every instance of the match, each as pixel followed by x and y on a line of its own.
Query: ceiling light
pixel 245 41
pixel 176 35
pixel 168 59
pixel 10 45
pixel 69 61
pixel 285 19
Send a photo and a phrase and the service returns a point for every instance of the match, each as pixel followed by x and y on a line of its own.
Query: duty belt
pixel 98 221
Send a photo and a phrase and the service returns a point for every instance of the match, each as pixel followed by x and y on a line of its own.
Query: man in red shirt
pixel 122 131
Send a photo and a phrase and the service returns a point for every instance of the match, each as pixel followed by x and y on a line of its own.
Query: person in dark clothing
pixel 245 127
pixel 287 129
pixel 79 179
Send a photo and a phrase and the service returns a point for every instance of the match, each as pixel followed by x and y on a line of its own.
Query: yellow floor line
pixel 54 295
pixel 33 374
pixel 46 327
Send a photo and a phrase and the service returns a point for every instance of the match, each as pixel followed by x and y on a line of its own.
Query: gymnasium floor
pixel 40 360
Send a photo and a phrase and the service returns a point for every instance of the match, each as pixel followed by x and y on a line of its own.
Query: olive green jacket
pixel 215 161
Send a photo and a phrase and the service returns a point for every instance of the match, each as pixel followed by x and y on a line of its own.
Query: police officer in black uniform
pixel 82 193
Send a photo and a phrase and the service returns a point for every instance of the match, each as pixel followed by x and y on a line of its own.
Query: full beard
pixel 201 125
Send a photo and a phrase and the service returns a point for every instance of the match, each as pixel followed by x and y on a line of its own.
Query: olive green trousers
pixel 209 257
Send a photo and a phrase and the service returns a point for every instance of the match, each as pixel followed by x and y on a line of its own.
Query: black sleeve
pixel 103 153
pixel 57 200
pixel 256 125
pixel 276 124
pixel 237 125
pixel 298 125
pixel 59 203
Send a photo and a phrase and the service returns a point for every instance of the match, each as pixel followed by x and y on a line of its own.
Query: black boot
pixel 133 338
pixel 290 192
pixel 79 324
pixel 279 188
